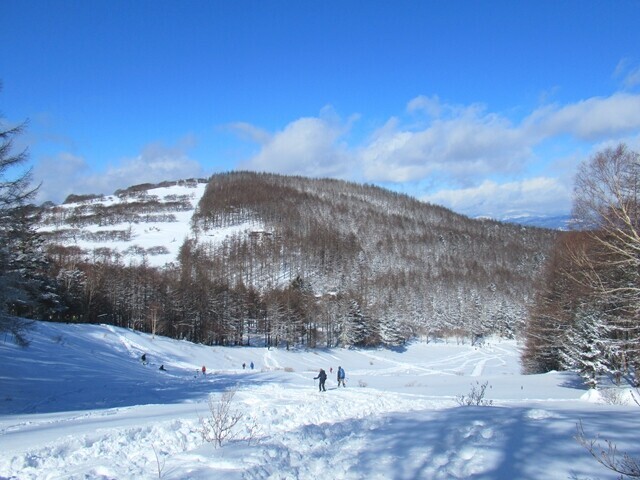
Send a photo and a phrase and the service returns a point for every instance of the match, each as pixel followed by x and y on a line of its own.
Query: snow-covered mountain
pixel 555 222
pixel 349 252
pixel 78 403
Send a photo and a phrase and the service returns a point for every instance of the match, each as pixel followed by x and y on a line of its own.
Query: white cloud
pixel 308 146
pixel 461 146
pixel 593 119
pixel 67 173
pixel 538 195
pixel 467 143
pixel 430 105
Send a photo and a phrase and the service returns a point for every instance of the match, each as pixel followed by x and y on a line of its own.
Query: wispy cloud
pixel 66 173
pixel 628 73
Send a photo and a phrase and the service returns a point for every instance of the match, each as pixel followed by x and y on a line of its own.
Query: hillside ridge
pixel 345 250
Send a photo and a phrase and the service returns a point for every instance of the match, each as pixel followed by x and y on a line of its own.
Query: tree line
pixel 585 316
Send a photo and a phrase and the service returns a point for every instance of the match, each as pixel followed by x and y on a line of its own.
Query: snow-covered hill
pixel 146 223
pixel 78 403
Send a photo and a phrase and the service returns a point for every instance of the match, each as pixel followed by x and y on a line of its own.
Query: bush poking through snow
pixel 475 397
pixel 226 423
pixel 160 462
pixel 608 456
pixel 612 396
pixel 220 425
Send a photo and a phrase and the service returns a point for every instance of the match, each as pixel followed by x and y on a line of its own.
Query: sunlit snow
pixel 78 403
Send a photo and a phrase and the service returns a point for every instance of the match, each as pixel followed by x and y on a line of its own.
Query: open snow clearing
pixel 78 403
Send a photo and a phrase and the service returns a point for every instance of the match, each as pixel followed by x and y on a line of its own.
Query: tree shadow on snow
pixel 488 443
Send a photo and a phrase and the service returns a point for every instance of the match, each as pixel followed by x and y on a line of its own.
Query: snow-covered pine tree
pixel 585 346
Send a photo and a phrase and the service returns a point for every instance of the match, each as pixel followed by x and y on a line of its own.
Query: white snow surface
pixel 78 403
pixel 170 235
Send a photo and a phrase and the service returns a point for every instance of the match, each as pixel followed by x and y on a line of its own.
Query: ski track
pixel 400 427
pixel 477 358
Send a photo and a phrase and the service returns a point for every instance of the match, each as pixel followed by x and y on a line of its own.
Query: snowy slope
pixel 167 234
pixel 156 241
pixel 79 404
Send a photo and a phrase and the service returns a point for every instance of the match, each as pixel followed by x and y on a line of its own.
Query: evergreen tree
pixel 20 281
pixel 585 346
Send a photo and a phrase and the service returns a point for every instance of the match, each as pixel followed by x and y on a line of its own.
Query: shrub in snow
pixel 219 425
pixel 606 454
pixel 475 396
pixel 225 423
pixel 613 396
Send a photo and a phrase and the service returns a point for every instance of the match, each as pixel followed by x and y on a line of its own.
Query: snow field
pixel 79 404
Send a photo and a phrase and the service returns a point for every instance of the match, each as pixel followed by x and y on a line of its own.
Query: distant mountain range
pixel 556 222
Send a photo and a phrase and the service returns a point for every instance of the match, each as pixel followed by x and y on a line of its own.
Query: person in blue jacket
pixel 341 376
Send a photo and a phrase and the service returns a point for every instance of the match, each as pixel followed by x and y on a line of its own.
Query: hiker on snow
pixel 341 376
pixel 323 377
pixel 204 370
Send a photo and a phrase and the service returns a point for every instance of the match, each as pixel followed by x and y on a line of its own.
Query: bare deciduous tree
pixel 220 425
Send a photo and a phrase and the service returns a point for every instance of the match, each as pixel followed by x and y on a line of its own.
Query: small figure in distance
pixel 251 365
pixel 162 368
pixel 204 370
pixel 244 365
pixel 322 376
pixel 341 376
pixel 143 358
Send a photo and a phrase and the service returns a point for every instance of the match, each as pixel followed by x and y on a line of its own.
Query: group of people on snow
pixel 322 378
pixel 322 375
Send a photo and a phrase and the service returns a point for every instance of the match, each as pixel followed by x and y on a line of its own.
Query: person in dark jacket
pixel 322 376
pixel 341 376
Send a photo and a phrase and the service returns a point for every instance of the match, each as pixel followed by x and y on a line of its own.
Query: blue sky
pixel 484 107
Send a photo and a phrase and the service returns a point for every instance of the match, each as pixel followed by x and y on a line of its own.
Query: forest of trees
pixel 586 312
pixel 326 263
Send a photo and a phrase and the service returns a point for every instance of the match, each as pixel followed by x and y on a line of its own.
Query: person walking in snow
pixel 204 370
pixel 322 376
pixel 251 365
pixel 341 376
